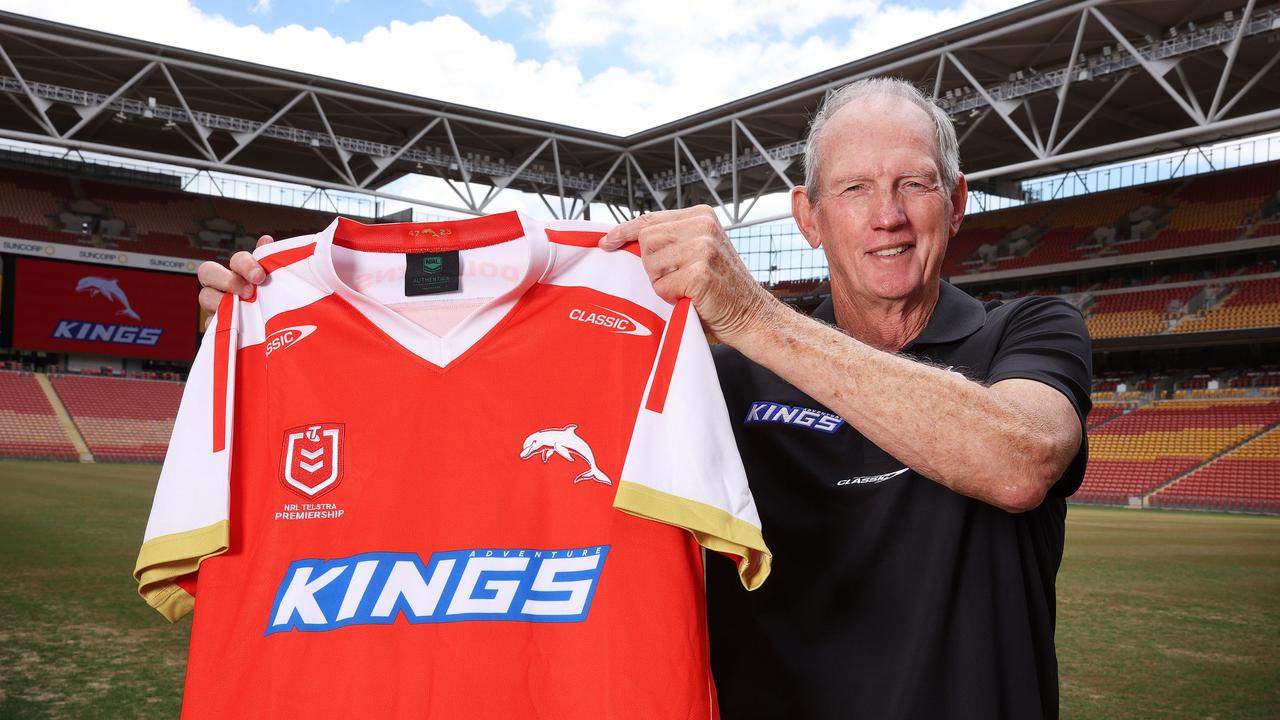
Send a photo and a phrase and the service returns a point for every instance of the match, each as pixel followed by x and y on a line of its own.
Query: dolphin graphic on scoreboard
pixel 565 443
pixel 110 289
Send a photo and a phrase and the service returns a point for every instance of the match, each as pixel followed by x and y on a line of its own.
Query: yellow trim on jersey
pixel 163 559
pixel 713 528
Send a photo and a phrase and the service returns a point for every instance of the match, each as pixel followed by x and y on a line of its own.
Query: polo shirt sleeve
pixel 1046 340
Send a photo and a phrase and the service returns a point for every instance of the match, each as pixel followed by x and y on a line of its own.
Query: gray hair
pixel 948 157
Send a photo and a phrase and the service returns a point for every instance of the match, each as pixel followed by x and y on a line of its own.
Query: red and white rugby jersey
pixel 390 504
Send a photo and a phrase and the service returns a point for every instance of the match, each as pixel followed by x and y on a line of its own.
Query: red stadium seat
pixel 28 426
pixel 121 419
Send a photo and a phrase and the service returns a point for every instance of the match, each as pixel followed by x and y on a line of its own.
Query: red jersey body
pixel 449 470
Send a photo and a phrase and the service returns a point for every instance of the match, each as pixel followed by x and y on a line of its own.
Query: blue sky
pixel 619 66
pixel 517 23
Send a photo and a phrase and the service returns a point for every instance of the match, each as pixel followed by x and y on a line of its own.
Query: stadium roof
pixel 1047 86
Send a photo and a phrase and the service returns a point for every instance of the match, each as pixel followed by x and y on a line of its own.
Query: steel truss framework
pixel 1049 86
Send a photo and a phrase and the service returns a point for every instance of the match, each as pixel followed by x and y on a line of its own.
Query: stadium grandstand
pixel 1154 209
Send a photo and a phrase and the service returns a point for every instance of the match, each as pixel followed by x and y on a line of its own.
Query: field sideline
pixel 1160 614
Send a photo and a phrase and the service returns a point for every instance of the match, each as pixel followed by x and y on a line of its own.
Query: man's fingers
pixel 213 275
pixel 210 299
pixel 243 264
pixel 264 240
pixel 630 230
pixel 662 256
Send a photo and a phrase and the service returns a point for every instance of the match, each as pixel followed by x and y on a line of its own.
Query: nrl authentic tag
pixel 428 273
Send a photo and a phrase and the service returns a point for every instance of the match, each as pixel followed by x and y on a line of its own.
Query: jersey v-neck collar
pixel 438 350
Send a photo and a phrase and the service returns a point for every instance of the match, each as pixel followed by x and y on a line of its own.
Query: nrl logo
pixel 565 443
pixel 312 459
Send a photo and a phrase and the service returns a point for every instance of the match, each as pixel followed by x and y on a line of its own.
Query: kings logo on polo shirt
pixel 481 502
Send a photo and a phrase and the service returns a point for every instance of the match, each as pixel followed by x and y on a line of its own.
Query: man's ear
pixel 959 200
pixel 803 213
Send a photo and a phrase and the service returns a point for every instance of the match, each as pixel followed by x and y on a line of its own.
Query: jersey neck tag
pixel 428 273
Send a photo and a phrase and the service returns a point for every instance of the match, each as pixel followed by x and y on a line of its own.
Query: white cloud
pixel 489 8
pixel 667 58
pixel 261 7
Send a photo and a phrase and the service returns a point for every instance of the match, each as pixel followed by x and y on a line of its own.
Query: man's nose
pixel 888 212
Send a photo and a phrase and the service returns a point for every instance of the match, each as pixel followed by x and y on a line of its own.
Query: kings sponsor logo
pixel 763 411
pixel 108 293
pixel 106 332
pixel 377 588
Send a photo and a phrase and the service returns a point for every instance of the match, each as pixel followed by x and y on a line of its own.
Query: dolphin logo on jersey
pixel 565 443
pixel 110 289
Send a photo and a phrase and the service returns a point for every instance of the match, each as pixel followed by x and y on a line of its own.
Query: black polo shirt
pixel 892 596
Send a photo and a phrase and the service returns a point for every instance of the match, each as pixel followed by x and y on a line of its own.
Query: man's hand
pixel 686 254
pixel 245 272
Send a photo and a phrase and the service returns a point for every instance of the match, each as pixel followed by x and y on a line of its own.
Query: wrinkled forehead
pixel 879 133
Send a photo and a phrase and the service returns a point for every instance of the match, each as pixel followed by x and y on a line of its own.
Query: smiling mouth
pixel 891 252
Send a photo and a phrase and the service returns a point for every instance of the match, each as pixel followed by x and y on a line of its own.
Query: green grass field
pixel 1160 614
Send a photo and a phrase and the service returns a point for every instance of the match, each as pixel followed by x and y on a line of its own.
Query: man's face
pixel 883 215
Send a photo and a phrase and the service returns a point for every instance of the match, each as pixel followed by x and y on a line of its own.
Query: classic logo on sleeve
pixel 565 443
pixel 312 458
pixel 763 411
pixel 377 588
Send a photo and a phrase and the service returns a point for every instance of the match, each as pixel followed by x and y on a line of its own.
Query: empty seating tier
pixel 1201 210
pixel 1247 479
pixel 1254 303
pixel 1102 412
pixel 1135 453
pixel 122 420
pixel 141 219
pixel 28 426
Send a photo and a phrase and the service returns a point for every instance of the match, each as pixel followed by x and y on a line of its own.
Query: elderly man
pixel 910 449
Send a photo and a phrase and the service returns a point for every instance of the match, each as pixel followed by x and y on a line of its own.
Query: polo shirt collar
pixel 956 316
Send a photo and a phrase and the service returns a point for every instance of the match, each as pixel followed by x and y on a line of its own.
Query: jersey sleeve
pixel 189 514
pixel 682 465
pixel 1047 341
